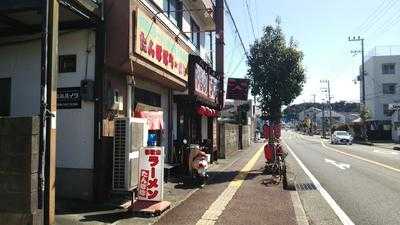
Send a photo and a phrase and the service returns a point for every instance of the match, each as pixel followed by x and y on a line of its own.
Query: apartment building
pixel 382 80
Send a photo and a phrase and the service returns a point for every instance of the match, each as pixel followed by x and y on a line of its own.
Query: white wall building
pixel 382 79
pixel 20 65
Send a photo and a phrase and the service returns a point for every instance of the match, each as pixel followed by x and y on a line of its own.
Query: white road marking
pixel 386 152
pixel 328 198
pixel 340 165
pixel 298 209
pixel 361 158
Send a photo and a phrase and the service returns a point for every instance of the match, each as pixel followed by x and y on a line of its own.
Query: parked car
pixel 341 137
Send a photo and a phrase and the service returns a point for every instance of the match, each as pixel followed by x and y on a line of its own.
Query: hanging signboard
pixel 203 79
pixel 238 89
pixel 69 98
pixel 151 174
pixel 155 45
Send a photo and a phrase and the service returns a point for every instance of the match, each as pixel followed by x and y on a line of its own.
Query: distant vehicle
pixel 341 137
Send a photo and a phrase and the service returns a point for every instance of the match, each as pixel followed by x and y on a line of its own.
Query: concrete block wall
pixel 246 136
pixel 229 134
pixel 19 158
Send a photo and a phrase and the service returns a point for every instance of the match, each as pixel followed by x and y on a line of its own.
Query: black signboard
pixel 238 89
pixel 204 81
pixel 69 98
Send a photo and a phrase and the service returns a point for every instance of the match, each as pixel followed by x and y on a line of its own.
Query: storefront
pixel 146 62
pixel 197 110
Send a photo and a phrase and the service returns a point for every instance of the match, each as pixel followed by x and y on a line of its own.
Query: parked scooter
pixel 198 164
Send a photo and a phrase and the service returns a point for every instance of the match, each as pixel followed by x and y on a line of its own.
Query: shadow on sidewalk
pixel 218 177
pixel 74 206
pixel 107 217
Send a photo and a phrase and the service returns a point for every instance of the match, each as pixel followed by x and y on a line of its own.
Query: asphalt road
pixel 363 181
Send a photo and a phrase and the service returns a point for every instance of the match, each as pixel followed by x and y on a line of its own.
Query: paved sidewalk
pixel 242 194
pixel 387 145
pixel 82 213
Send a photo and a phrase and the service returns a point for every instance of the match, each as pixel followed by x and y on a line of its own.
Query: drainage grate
pixel 305 187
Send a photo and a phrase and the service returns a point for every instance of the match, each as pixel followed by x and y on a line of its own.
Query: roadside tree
pixel 275 71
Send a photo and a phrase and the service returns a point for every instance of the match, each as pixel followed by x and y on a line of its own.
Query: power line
pixel 237 65
pixel 389 23
pixel 371 16
pixel 255 10
pixel 235 45
pixel 237 31
pixel 380 16
pixel 251 19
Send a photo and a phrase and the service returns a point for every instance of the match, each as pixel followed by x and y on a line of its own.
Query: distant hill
pixel 292 111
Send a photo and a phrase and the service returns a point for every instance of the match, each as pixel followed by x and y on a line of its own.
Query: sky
pixel 321 28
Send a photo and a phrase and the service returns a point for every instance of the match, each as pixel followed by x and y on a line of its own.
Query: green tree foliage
pixel 292 111
pixel 275 70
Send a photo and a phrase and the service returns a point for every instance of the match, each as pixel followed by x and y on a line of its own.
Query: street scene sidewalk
pixel 259 200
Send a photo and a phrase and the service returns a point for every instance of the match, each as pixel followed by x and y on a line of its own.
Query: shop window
pixel 147 97
pixel 195 33
pixel 67 64
pixel 5 96
pixel 388 68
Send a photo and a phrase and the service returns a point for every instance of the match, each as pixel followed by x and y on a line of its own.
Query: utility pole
pixel 323 121
pixel 219 45
pixel 314 117
pixel 328 90
pixel 219 56
pixel 330 107
pixel 48 109
pixel 362 66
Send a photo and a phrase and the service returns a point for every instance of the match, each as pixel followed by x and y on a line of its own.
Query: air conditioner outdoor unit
pixel 129 136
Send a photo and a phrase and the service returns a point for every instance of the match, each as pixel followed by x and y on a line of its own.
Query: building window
pixel 147 97
pixel 388 68
pixel 5 96
pixel 67 64
pixel 389 89
pixel 171 8
pixel 386 110
pixel 195 33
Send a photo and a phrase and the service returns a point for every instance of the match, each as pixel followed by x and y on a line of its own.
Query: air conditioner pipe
pixel 129 95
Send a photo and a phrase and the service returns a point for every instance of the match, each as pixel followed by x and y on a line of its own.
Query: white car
pixel 341 137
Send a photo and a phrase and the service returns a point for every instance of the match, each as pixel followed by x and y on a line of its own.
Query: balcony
pixel 23 17
pixel 203 10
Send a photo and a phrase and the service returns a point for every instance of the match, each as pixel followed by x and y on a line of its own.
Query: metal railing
pixel 387 50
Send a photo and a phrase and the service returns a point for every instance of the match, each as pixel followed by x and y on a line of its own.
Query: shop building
pixel 132 63
pixel 147 63
pixel 198 108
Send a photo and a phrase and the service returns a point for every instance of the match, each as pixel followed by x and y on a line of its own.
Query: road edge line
pixel 343 217
pixel 299 211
